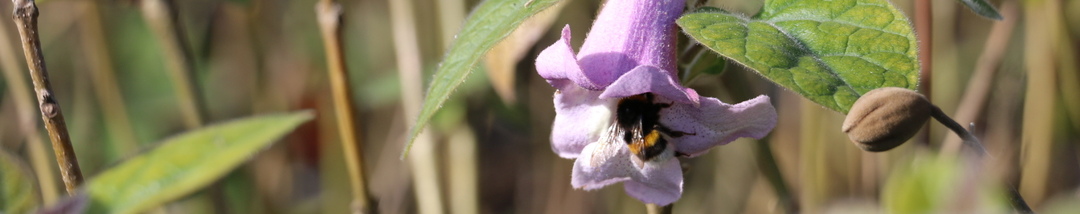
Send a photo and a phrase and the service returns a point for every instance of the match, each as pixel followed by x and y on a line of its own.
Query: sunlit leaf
pixel 18 189
pixel 488 24
pixel 186 163
pixel 830 52
pixel 983 8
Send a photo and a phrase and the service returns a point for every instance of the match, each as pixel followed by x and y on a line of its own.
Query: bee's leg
pixel 672 133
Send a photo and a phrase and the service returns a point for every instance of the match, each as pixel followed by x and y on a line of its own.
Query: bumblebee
pixel 639 117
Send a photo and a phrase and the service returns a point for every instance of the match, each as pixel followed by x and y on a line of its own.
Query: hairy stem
pixel 25 16
pixel 329 15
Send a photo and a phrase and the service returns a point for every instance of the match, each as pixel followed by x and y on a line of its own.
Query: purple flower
pixel 621 111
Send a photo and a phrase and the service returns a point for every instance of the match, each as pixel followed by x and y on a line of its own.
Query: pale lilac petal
pixel 628 33
pixel 716 123
pixel 659 183
pixel 602 164
pixel 646 79
pixel 557 62
pixel 580 117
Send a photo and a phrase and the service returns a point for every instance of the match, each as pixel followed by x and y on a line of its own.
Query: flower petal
pixel 646 79
pixel 628 33
pixel 659 183
pixel 557 62
pixel 580 117
pixel 602 164
pixel 716 123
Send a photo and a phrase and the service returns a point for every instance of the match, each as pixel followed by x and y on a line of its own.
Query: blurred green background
pixel 488 149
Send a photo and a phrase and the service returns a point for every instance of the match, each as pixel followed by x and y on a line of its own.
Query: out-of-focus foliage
pixel 931 184
pixel 18 190
pixel 186 163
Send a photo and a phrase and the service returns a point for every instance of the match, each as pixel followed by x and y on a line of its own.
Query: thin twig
pixel 923 27
pixel 25 16
pixel 1017 201
pixel 161 18
pixel 24 108
pixel 329 15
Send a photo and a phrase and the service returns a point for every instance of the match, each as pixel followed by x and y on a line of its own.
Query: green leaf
pixel 186 163
pixel 488 24
pixel 983 8
pixel 18 189
pixel 830 52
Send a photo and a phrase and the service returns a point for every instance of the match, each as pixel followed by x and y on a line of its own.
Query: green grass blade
pixel 830 52
pixel 488 24
pixel 186 163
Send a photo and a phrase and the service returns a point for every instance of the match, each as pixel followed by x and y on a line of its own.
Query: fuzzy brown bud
pixel 884 118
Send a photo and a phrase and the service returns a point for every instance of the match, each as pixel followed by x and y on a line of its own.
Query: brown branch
pixel 25 16
pixel 329 15
pixel 24 108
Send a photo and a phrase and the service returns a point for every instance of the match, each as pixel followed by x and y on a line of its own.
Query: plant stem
pixel 1017 201
pixel 25 16
pixel 966 136
pixel 767 165
pixel 161 17
pixel 923 28
pixel 329 15
pixel 978 88
pixel 104 79
pixel 657 209
pixel 422 161
pixel 24 108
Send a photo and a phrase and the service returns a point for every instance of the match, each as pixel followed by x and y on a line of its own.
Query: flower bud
pixel 884 118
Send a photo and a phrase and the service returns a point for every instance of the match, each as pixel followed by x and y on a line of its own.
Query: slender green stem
pixel 329 14
pixel 688 69
pixel 25 16
pixel 1017 201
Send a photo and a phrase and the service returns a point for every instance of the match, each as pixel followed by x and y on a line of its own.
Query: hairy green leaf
pixel 488 24
pixel 830 52
pixel 18 189
pixel 186 163
pixel 983 8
